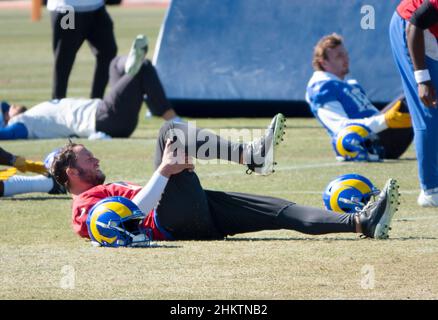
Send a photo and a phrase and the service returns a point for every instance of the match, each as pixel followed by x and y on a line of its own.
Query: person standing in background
pixel 413 34
pixel 73 22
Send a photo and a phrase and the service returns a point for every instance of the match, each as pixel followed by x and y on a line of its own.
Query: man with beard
pixel 178 208
pixel 337 102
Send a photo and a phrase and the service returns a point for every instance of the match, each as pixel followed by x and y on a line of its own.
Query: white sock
pixel 24 184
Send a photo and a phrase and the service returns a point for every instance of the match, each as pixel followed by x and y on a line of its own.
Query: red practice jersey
pixel 86 200
pixel 407 7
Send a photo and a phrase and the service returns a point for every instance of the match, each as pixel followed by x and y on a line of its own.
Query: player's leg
pixel 154 93
pixel 241 213
pixel 66 43
pixel 236 213
pixel 423 119
pixel 190 139
pixel 429 140
pixel 152 89
pixel 396 141
pixel 25 184
pixel 203 144
pixel 116 70
pixel 118 115
pixel 6 158
pixel 183 210
pixel 103 45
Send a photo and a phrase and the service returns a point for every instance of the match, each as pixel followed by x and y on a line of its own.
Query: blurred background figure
pixel 73 22
pixel 11 184
pixel 413 36
pixel 338 102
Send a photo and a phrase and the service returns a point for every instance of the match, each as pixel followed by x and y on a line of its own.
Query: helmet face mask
pixel 348 193
pixel 117 222
pixel 356 142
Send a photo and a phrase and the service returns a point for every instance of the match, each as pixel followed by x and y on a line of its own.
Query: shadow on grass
pixel 293 239
pixel 413 238
pixel 392 161
pixel 157 246
pixel 154 245
pixel 406 159
pixel 329 239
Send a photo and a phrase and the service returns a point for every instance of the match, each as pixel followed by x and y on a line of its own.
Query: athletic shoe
pixel 259 155
pixel 375 218
pixel 57 188
pixel 427 200
pixel 136 55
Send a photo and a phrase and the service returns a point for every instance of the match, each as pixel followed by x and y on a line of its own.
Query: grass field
pixel 41 257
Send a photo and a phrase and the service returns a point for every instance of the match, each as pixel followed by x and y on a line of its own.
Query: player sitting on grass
pixel 178 208
pixel 116 115
pixel 338 103
pixel 11 184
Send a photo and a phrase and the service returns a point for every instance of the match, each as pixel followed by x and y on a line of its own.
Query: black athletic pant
pixel 94 26
pixel 188 212
pixel 396 141
pixel 118 115
pixel 5 157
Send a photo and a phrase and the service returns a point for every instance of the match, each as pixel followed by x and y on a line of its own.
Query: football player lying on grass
pixel 11 184
pixel 131 78
pixel 338 104
pixel 174 206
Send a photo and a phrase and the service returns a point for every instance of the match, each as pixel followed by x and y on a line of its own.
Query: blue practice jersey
pixel 347 98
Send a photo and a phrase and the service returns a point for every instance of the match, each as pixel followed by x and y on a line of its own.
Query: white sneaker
pixel 427 200
pixel 375 218
pixel 260 154
pixel 136 55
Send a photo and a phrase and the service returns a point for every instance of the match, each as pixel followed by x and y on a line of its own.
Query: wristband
pixel 422 76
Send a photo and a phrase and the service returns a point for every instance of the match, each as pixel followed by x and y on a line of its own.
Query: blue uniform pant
pixel 424 119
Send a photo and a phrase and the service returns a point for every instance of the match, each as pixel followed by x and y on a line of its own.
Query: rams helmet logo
pixel 117 222
pixel 356 142
pixel 348 193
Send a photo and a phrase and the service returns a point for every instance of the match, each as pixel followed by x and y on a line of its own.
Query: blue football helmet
pixel 357 142
pixel 348 193
pixel 117 222
pixel 50 157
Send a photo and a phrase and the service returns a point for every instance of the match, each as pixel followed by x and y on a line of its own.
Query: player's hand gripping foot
pixel 259 155
pixel 136 55
pixel 375 218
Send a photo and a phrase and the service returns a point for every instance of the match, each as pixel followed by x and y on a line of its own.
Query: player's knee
pixel 166 128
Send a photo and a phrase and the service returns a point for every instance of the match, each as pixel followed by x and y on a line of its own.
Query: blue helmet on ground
pixel 357 142
pixel 348 193
pixel 50 157
pixel 117 222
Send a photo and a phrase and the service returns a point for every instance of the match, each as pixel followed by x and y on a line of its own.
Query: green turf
pixel 36 240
